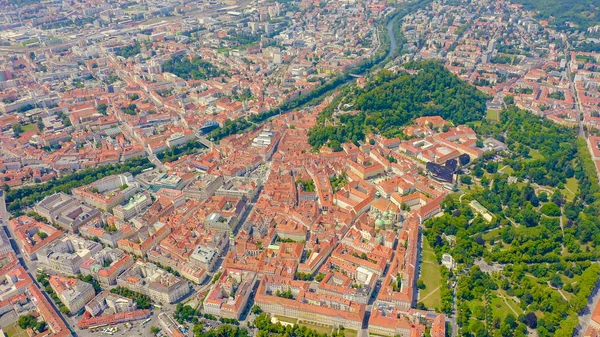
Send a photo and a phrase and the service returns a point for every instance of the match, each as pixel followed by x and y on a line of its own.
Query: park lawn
pixel 286 319
pixel 571 188
pixel 492 115
pixel 535 154
pixel 507 170
pixel 500 308
pixel 350 333
pixel 431 275
pixel 526 232
pixel 567 294
pixel 30 128
pixel 318 328
pixel 14 330
pixel 494 234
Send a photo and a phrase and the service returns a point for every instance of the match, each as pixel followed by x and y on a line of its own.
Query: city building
pixel 106 265
pixel 133 207
pixel 65 211
pixel 32 235
pixel 108 308
pixel 307 306
pixel 230 295
pixel 74 293
pixel 66 254
pixel 108 192
pixel 158 284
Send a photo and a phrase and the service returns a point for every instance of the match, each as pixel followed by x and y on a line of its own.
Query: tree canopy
pixel 566 15
pixel 192 68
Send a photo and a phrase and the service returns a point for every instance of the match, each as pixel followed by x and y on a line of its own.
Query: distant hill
pixel 583 13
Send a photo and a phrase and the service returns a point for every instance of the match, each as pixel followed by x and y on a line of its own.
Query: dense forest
pixel 390 101
pixel 583 13
pixel 196 68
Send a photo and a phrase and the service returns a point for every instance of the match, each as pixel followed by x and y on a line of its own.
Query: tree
pixel 40 124
pixel 102 107
pixel 41 326
pixel 465 179
pixel 531 320
pixel 509 99
pixel 550 209
pixel 256 309
pixel 478 172
pixel 511 321
pixel 17 129
pixel 420 284
pixel 284 294
pixel 485 181
pixel 27 321
pixel 556 281
pixel 216 277
pixel 154 330
pixel 185 313
pixel 558 198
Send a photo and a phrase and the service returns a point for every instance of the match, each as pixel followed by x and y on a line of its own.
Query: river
pixel 393 44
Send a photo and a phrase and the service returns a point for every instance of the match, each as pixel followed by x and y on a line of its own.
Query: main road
pixel 572 88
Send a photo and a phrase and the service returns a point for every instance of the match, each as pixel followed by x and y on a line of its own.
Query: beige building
pixel 65 255
pixel 74 294
pixel 65 211
pixel 158 284
pixel 133 207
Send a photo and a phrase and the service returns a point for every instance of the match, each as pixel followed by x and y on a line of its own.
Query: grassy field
pixel 493 115
pixel 507 170
pixel 30 128
pixel 571 188
pixel 350 333
pixel 492 235
pixel 13 330
pixel 535 154
pixel 318 328
pixel 500 308
pixel 430 274
pixel 284 319
pixel 477 123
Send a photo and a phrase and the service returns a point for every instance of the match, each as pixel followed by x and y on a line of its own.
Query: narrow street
pixel 586 316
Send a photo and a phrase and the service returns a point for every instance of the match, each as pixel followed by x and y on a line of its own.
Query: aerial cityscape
pixel 300 168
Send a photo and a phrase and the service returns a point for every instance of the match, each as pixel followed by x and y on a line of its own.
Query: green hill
pixel 390 101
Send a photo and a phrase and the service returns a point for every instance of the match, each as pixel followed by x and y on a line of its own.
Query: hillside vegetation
pixel 583 13
pixel 390 101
